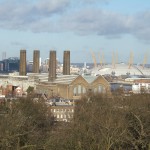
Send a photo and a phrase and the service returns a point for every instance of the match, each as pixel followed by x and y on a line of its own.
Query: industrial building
pixel 72 86
pixel 68 88
pixel 10 65
pixel 66 85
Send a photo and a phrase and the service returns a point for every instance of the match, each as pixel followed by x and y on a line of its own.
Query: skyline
pixel 103 26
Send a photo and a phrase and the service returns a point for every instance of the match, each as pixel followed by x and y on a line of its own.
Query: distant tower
pixel 85 65
pixel 36 62
pixel 40 63
pixel 3 55
pixel 22 70
pixel 52 65
pixel 66 63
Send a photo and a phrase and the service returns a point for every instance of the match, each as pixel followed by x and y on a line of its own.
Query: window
pixel 78 90
pixel 84 90
pixel 75 91
pixel 95 90
pixel 100 89
pixel 104 89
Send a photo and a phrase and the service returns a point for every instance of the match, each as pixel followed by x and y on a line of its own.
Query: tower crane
pixel 94 59
pixel 130 60
pixel 101 58
pixel 145 60
pixel 113 60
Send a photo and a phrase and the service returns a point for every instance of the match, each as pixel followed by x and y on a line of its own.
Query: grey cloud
pixel 56 16
pixel 19 44
pixel 18 14
pixel 141 25
pixel 97 22
pixel 18 8
pixel 108 24
pixel 51 6
pixel 14 10
pixel 93 1
pixel 16 43
pixel 37 15
pixel 45 25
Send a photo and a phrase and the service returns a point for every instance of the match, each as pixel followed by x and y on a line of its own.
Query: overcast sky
pixel 81 26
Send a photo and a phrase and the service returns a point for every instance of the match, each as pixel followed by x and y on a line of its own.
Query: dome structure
pixel 121 69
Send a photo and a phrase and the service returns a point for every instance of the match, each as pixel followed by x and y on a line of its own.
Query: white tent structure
pixel 121 69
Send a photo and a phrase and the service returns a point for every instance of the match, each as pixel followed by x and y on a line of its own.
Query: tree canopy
pixel 100 122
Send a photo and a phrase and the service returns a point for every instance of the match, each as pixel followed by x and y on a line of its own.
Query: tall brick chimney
pixel 66 63
pixel 22 69
pixel 52 65
pixel 36 57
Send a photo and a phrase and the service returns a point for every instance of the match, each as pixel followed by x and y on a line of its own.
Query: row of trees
pixel 25 124
pixel 104 123
pixel 99 123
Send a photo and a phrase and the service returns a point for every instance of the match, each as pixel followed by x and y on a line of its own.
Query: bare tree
pixel 26 125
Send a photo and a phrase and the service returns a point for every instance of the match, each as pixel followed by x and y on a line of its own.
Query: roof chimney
pixel 52 65
pixel 66 63
pixel 22 69
pixel 36 57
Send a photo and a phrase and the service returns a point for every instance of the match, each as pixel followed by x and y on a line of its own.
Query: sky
pixel 88 28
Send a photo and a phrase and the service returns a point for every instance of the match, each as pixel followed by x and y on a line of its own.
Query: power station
pixel 66 84
pixel 52 63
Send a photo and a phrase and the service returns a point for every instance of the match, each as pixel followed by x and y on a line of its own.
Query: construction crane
pixel 117 57
pixel 101 58
pixel 130 60
pixel 94 59
pixel 145 60
pixel 113 60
